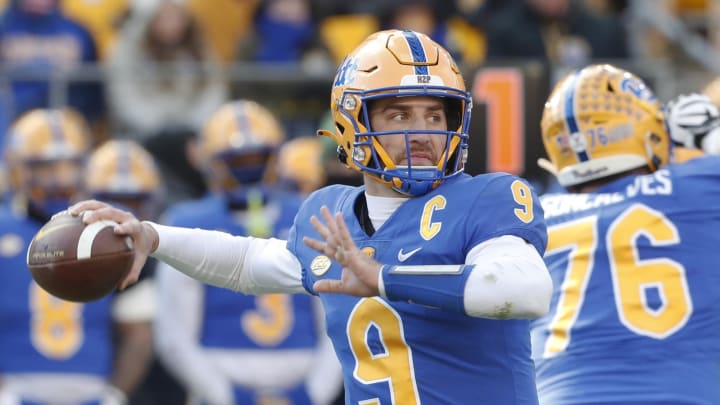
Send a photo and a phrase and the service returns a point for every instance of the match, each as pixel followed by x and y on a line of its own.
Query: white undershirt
pixel 380 208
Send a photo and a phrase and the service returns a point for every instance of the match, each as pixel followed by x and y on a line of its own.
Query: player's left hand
pixel 360 271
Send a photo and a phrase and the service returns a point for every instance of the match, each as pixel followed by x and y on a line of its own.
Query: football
pixel 76 262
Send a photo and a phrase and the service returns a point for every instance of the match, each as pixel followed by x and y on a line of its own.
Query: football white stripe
pixel 87 237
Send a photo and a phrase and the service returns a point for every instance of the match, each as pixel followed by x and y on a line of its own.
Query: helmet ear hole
pixel 342 155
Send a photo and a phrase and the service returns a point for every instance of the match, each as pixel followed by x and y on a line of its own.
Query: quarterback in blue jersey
pixel 54 351
pixel 428 276
pixel 230 348
pixel 634 317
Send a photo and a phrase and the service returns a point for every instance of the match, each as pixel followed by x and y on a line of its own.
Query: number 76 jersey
pixel 635 313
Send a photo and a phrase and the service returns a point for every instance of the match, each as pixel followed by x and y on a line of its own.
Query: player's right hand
pixel 143 235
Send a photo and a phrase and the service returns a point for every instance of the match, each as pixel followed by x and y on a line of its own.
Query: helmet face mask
pixel 395 64
pixel 601 121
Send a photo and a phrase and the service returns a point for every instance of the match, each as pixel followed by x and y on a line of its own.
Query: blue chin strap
pixel 414 182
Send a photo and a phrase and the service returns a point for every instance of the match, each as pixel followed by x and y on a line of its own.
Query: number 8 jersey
pixel 635 314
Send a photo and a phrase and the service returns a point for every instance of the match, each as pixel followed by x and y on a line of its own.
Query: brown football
pixel 76 262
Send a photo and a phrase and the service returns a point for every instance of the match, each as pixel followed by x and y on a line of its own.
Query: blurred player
pixel 122 172
pixel 53 351
pixel 229 348
pixel 634 317
pixel 427 275
pixel 299 165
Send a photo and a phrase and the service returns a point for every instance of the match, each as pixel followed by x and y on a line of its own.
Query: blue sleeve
pixel 507 205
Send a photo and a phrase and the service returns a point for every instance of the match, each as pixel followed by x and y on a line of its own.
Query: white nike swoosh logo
pixel 404 256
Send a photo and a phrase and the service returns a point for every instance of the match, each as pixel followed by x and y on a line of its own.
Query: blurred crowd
pixel 153 72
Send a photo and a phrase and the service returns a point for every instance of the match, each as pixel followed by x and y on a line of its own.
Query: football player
pixel 634 317
pixel 299 166
pixel 123 172
pixel 428 275
pixel 53 351
pixel 230 348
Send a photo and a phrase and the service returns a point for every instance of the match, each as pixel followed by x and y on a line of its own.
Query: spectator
pixel 557 31
pixel 284 29
pixel 102 18
pixel 37 42
pixel 162 75
pixel 440 21
pixel 164 83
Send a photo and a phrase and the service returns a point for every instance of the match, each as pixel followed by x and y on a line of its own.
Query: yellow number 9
pixel 523 196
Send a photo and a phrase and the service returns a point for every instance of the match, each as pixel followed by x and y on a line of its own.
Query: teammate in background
pixel 53 351
pixel 427 275
pixel 230 348
pixel 634 317
pixel 123 172
pixel 299 167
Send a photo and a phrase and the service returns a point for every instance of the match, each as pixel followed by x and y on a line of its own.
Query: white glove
pixel 113 396
pixel 691 119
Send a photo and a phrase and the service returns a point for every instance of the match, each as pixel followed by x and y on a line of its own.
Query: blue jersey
pixel 232 320
pixel 401 353
pixel 635 314
pixel 41 333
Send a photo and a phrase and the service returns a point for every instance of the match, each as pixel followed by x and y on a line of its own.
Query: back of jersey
pixel 635 315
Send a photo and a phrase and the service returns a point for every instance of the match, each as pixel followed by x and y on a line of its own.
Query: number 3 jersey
pixel 403 353
pixel 635 314
pixel 265 344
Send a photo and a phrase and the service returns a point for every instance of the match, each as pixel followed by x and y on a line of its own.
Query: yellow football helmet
pixel 123 172
pixel 45 151
pixel 396 63
pixel 238 143
pixel 600 121
pixel 300 165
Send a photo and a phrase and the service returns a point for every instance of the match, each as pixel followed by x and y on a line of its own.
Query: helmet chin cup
pixel 412 181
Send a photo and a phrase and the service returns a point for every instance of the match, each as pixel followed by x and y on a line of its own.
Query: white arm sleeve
pixel 177 332
pixel 246 264
pixel 509 280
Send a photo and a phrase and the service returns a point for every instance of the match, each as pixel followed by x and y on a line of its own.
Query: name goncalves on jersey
pixel 658 183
